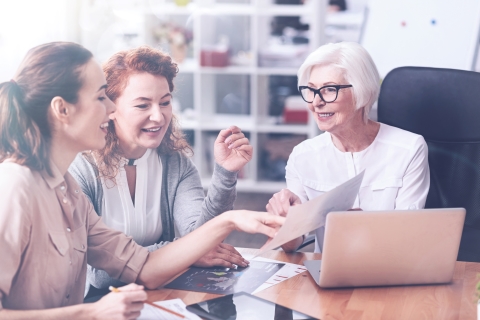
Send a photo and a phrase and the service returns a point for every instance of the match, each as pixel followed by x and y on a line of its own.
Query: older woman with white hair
pixel 340 84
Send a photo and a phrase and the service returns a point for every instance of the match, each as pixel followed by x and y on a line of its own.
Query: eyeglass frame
pixel 317 91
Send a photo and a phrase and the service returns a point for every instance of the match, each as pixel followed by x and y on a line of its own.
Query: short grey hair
pixel 357 66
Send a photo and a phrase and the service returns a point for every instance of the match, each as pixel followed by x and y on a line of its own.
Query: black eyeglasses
pixel 326 93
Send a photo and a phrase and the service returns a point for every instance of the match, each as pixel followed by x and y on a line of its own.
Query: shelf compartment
pixel 274 94
pixel 183 94
pixel 274 150
pixel 173 34
pixel 224 94
pixel 224 41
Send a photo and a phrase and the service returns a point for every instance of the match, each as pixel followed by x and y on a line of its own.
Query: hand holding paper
pixel 312 214
pixel 281 202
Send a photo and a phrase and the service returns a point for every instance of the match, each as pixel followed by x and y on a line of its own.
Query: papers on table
pixel 312 214
pixel 177 305
pixel 288 271
pixel 221 280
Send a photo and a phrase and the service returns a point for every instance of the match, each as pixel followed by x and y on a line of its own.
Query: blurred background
pixel 238 59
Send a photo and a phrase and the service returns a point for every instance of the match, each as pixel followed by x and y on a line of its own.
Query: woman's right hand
pixel 125 304
pixel 223 255
pixel 279 205
pixel 255 222
pixel 281 202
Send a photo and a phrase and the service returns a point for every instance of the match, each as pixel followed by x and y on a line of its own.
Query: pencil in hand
pixel 181 316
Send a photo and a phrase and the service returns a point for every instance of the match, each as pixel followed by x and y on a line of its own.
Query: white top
pixel 397 175
pixel 143 220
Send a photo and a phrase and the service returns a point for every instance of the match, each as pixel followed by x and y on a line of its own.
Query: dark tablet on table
pixel 244 306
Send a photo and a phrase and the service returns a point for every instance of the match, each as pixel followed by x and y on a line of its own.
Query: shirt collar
pixel 359 153
pixel 56 180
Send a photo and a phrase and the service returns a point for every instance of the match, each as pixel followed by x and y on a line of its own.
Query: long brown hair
pixel 117 72
pixel 49 70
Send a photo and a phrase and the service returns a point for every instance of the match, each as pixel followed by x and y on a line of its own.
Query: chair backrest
pixel 442 105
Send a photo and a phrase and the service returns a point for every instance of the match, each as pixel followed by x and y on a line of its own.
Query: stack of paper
pixel 288 271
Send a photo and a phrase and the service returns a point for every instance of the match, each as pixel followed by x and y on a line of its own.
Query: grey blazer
pixel 184 206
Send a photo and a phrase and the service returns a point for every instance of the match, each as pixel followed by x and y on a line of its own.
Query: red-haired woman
pixel 143 183
pixel 54 108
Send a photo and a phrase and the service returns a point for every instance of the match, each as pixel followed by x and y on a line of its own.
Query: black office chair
pixel 443 105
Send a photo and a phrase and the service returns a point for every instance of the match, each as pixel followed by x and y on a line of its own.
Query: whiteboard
pixel 427 33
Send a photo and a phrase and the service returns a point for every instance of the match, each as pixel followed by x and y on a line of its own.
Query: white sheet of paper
pixel 177 305
pixel 288 271
pixel 312 214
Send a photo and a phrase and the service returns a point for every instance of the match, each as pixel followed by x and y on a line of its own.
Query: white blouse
pixel 143 220
pixel 397 175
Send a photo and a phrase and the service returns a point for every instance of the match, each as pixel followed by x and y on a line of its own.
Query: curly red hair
pixel 117 72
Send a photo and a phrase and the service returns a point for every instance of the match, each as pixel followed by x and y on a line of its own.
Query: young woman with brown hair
pixel 143 183
pixel 54 108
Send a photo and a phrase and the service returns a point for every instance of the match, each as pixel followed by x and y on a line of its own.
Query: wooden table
pixel 453 301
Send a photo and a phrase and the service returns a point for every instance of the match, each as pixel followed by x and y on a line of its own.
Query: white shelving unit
pixel 247 25
pixel 253 20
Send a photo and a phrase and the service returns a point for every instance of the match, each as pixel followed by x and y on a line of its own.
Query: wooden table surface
pixel 452 301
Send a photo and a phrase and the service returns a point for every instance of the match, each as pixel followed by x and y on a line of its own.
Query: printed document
pixel 288 271
pixel 311 215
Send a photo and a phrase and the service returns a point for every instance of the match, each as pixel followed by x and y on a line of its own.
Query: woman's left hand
pixel 282 201
pixel 232 149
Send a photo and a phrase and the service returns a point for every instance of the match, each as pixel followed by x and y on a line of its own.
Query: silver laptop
pixel 383 248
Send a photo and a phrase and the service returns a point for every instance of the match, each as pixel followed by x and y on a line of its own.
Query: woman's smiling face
pixel 336 115
pixel 92 110
pixel 143 114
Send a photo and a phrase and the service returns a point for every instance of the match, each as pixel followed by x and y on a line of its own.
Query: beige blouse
pixel 48 232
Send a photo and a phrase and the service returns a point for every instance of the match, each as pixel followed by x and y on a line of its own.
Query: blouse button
pixel 62 188
pixel 68 229
pixel 65 200
pixel 68 295
pixel 83 246
pixel 70 262
pixel 76 191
